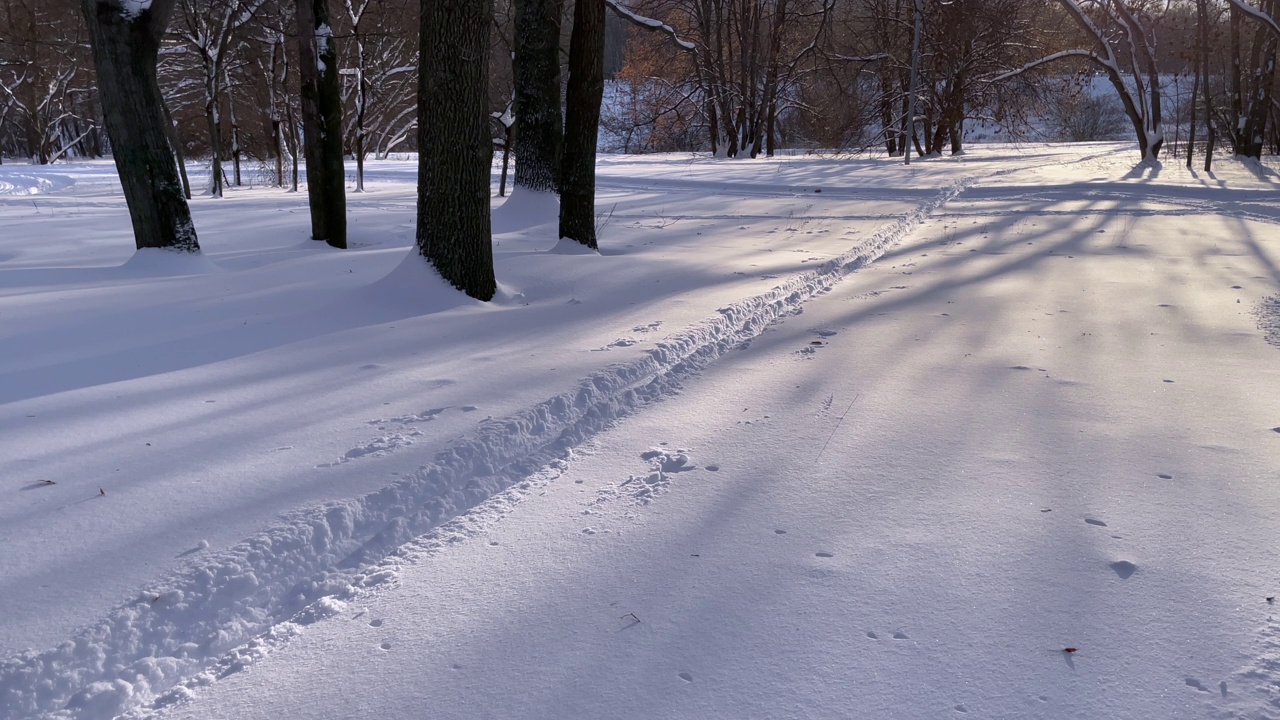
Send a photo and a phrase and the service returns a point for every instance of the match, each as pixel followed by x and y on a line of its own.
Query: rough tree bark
pixel 322 123
pixel 582 124
pixel 536 66
pixel 125 42
pixel 454 147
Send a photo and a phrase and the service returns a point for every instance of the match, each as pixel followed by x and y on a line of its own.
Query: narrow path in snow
pixel 1036 425
pixel 179 626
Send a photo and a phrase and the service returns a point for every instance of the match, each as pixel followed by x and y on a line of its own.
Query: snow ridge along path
pixel 182 625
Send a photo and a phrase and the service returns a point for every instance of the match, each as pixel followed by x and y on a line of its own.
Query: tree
pixel 536 65
pixel 322 123
pixel 1116 30
pixel 582 123
pixel 454 147
pixel 47 93
pixel 126 36
pixel 207 27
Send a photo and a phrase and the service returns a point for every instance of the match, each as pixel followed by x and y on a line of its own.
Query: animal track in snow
pixel 1192 682
pixel 385 646
pixel 376 447
pixel 424 416
pixel 824 555
pixel 1124 569
pixel 779 532
pixel 664 463
pixel 685 676
pixel 394 440
pixel 871 634
pixel 375 623
pixel 619 343
pixel 1092 521
pixel 1164 476
pixel 651 327
pixel 900 635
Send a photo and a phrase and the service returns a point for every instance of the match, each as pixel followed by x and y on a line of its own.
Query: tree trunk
pixel 454 147
pixel 235 126
pixel 582 124
pixel 125 48
pixel 322 123
pixel 215 136
pixel 539 127
pixel 176 143
pixel 1202 25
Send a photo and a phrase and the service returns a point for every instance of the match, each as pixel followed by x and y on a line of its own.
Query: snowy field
pixel 812 437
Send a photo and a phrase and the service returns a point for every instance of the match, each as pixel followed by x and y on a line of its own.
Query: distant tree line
pixel 258 87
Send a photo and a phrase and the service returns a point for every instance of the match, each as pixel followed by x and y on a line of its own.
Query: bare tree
pixel 207 27
pixel 454 147
pixel 1123 47
pixel 582 123
pixel 539 127
pixel 322 123
pixel 126 36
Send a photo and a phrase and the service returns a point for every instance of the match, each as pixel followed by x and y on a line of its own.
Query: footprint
pixel 385 646
pixel 1043 698
pixel 961 708
pixel 1192 682
pixel 824 555
pixel 716 468
pixel 900 636
pixel 779 532
pixel 1168 381
pixel 1164 476
pixel 1093 521
pixel 1124 569
pixel 872 635
pixel 375 623
pixel 686 676
pixel 1019 367
pixel 588 531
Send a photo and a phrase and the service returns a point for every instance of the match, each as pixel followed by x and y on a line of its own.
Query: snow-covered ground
pixel 714 472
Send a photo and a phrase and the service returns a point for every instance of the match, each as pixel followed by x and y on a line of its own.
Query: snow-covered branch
pixel 649 24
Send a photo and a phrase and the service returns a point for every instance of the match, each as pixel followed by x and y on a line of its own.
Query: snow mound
pixel 571 247
pixel 16 183
pixel 159 262
pixel 525 209
pixel 414 285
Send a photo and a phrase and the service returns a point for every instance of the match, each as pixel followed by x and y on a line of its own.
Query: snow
pixel 324 34
pixel 891 445
pixel 134 8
